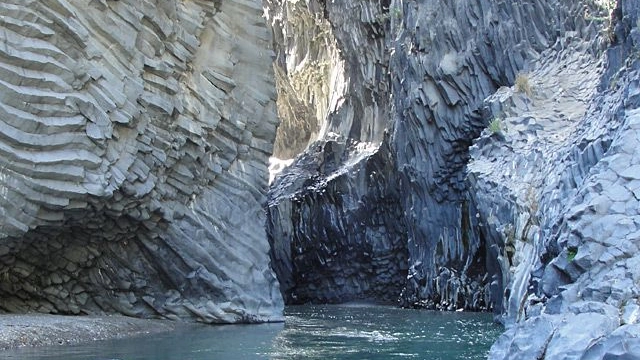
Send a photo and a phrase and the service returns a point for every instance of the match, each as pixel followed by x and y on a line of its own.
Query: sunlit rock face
pixel 134 143
pixel 408 85
pixel 334 215
pixel 569 163
pixel 488 150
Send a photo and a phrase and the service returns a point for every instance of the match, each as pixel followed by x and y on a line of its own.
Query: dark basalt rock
pixel 439 61
pixel 534 217
pixel 326 260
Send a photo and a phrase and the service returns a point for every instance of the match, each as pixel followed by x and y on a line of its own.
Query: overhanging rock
pixel 134 142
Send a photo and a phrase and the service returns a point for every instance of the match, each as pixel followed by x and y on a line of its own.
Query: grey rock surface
pixel 134 141
pixel 574 260
pixel 440 76
pixel 29 330
pixel 308 76
pixel 504 176
pixel 413 96
pixel 333 216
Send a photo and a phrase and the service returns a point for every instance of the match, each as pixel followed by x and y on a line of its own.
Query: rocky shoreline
pixel 31 330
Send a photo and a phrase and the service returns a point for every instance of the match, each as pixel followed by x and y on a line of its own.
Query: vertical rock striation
pixel 421 71
pixel 309 79
pixel 333 216
pixel 449 56
pixel 134 138
pixel 537 218
pixel 572 286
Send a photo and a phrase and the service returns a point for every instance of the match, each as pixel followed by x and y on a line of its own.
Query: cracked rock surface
pixel 134 141
pixel 488 152
pixel 572 270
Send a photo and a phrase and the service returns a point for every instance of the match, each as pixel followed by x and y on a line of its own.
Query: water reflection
pixel 366 332
pixel 311 332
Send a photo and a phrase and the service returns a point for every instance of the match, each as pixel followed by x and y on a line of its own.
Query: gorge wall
pixel 473 155
pixel 405 100
pixel 334 237
pixel 574 282
pixel 476 155
pixel 134 141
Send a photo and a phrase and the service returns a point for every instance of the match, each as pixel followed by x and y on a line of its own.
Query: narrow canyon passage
pixel 378 206
pixel 477 149
pixel 452 155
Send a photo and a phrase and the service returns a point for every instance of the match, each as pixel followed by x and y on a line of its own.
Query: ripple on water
pixel 379 332
pixel 310 332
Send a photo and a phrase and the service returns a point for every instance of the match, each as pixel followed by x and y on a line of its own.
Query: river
pixel 309 332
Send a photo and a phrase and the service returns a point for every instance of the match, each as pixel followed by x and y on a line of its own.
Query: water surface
pixel 310 332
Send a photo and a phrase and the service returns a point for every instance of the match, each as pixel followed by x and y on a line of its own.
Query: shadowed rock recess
pixel 134 141
pixel 477 155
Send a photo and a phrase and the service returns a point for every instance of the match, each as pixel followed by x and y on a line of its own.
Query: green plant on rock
pixel 601 12
pixel 571 253
pixel 383 17
pixel 397 12
pixel 522 84
pixel 495 126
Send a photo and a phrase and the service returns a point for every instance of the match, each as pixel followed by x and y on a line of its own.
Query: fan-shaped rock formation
pixel 134 139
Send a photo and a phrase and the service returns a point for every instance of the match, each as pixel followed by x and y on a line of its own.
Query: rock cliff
pixel 562 181
pixel 385 181
pixel 134 141
pixel 475 155
pixel 333 216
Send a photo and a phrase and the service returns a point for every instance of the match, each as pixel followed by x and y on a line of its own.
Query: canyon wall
pixel 567 161
pixel 134 141
pixel 480 155
pixel 333 216
pixel 385 180
pixel 476 155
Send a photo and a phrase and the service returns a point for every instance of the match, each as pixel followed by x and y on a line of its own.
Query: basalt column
pixel 334 219
pixel 388 167
pixel 134 142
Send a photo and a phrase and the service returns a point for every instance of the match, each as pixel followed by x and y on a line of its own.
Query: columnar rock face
pixel 334 216
pixel 309 78
pixel 535 218
pixel 416 75
pixel 134 140
pixel 569 164
pixel 448 57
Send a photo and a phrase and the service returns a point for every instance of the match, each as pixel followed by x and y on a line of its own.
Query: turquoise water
pixel 310 332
